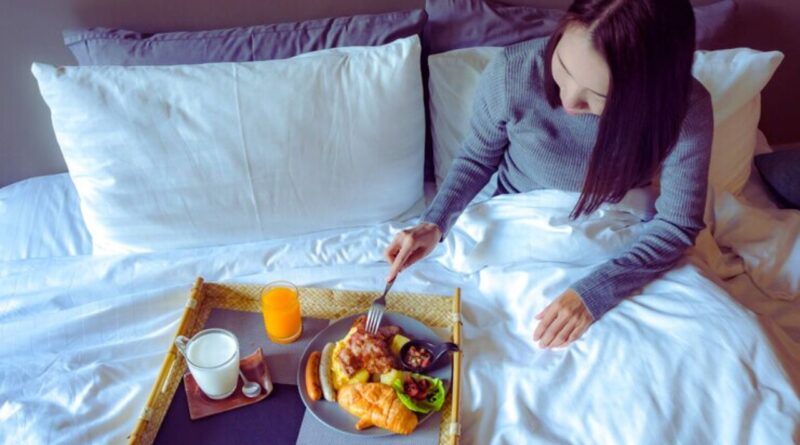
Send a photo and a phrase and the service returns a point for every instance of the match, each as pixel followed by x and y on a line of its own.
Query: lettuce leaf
pixel 434 400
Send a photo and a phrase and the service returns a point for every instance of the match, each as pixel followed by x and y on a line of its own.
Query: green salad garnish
pixel 433 400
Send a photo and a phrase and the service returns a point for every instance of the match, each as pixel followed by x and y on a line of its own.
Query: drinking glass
pixel 281 309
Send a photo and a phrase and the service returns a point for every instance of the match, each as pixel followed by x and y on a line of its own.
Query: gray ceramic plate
pixel 329 413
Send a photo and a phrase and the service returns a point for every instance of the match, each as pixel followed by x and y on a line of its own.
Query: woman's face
pixel 580 72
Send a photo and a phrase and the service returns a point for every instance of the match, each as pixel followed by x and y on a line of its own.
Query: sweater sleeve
pixel 679 218
pixel 481 151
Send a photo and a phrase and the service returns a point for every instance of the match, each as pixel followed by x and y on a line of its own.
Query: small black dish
pixel 437 351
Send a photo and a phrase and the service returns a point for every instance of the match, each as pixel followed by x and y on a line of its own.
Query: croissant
pixel 377 404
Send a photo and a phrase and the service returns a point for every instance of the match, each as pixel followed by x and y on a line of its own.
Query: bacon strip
pixel 368 351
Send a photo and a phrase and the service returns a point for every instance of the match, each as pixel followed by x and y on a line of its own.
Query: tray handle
pixel 168 366
pixel 455 425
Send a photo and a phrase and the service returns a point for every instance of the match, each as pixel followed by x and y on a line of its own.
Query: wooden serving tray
pixel 435 311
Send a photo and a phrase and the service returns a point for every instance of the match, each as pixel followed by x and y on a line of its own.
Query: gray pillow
pixel 781 171
pixel 454 24
pixel 104 46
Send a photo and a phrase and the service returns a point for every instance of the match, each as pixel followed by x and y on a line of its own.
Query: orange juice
pixel 281 310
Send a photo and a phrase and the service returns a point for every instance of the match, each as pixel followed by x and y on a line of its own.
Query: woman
pixel 604 105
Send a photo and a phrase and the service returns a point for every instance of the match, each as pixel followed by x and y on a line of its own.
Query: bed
pixel 707 353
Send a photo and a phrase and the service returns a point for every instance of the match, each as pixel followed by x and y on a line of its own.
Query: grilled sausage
pixel 312 376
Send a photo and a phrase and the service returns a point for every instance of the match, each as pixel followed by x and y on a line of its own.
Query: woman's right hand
pixel 410 246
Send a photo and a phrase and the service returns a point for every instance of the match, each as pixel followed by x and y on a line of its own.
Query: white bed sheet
pixel 682 362
pixel 41 218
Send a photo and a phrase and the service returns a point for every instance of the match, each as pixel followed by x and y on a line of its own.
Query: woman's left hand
pixel 562 321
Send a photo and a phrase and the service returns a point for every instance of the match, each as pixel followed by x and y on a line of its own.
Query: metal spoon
pixel 249 389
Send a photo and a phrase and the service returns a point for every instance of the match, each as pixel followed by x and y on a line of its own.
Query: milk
pixel 213 357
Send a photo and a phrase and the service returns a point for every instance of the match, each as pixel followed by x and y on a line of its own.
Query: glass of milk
pixel 213 358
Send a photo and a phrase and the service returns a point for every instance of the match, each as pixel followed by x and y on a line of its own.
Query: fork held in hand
pixel 375 313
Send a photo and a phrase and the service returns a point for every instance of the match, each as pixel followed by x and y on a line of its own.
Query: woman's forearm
pixel 658 250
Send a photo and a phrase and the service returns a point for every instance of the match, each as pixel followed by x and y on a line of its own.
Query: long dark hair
pixel 649 47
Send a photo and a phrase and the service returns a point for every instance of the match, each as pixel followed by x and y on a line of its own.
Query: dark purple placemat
pixel 274 420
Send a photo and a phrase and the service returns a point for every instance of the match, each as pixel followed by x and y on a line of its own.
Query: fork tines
pixel 375 313
pixel 374 317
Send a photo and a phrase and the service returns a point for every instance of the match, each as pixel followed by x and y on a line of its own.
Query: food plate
pixel 330 413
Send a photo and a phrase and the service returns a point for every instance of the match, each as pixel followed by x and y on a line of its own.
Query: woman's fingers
pixel 410 246
pixel 391 251
pixel 399 261
pixel 553 329
pixel 571 333
pixel 545 317
pixel 562 337
pixel 562 321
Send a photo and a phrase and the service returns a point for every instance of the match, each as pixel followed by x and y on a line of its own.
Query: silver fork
pixel 375 313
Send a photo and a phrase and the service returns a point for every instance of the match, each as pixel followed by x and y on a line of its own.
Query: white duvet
pixel 682 362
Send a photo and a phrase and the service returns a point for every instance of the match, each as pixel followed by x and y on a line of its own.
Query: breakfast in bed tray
pixel 401 378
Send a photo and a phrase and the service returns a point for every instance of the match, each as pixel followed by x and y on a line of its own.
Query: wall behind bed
pixel 30 30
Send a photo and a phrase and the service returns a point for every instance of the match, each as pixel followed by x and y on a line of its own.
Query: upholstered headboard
pixel 30 31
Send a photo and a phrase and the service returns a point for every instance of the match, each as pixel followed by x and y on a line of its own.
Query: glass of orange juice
pixel 281 309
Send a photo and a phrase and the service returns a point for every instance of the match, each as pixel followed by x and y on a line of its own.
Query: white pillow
pixel 452 79
pixel 734 77
pixel 167 157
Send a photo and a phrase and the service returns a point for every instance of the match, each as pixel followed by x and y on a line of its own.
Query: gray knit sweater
pixel 516 133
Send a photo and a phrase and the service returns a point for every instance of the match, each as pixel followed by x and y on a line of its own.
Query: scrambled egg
pixel 338 375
